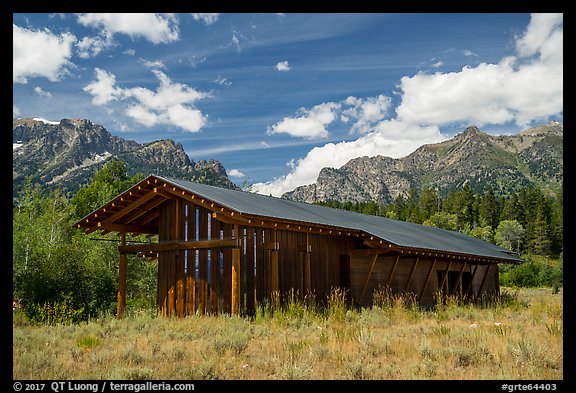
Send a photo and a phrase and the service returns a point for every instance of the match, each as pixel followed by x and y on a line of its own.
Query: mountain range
pixel 505 163
pixel 67 153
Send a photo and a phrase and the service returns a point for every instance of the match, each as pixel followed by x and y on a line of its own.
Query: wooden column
pixel 306 267
pixel 441 286
pixel 235 307
pixel 202 261
pixel 121 279
pixel 274 285
pixel 179 260
pixel 214 268
pixel 250 263
pixel 191 263
pixel 226 271
pixel 260 263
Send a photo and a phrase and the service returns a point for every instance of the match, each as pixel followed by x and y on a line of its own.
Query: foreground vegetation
pixel 517 335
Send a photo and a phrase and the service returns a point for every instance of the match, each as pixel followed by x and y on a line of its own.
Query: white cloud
pixel 469 53
pixel 310 125
pixel 172 103
pixel 103 89
pixel 283 66
pixel 539 31
pixel 153 63
pixel 130 52
pixel 93 46
pixel 15 111
pixel 206 18
pixel 392 138
pixel 41 92
pixel 236 173
pixel 367 112
pixel 438 64
pixel 40 53
pixel 519 89
pixel 156 28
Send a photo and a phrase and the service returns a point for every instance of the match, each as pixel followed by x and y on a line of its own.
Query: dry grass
pixel 518 339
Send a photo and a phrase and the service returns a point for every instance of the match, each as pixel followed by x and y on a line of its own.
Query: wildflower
pixel 473 326
pixel 497 323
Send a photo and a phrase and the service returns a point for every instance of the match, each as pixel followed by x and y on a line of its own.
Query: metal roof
pixel 400 233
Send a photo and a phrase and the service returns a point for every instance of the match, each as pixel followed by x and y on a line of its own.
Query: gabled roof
pixel 399 234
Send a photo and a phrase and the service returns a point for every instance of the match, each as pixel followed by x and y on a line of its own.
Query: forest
pixel 62 275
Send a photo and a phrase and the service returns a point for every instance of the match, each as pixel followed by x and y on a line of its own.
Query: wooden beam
pixel 182 245
pixel 363 252
pixel 374 258
pixel 469 288
pixel 427 278
pixel 483 280
pixel 411 274
pixel 125 228
pixel 441 286
pixel 131 206
pixel 389 279
pixel 459 276
pixel 121 280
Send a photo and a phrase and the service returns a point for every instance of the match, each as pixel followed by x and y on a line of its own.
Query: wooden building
pixel 223 251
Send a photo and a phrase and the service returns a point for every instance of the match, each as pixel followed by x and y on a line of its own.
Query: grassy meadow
pixel 515 336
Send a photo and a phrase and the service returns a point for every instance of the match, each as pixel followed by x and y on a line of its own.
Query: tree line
pixel 527 221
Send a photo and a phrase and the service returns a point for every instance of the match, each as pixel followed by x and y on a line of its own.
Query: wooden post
pixel 121 279
pixel 250 263
pixel 214 268
pixel 427 279
pixel 191 263
pixel 306 267
pixel 235 308
pixel 179 260
pixel 274 264
pixel 368 277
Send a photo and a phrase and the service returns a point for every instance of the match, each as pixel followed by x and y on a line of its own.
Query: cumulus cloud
pixel 236 173
pixel 41 92
pixel 311 123
pixel 93 46
pixel 518 89
pixel 40 53
pixel 206 18
pixel 283 66
pixel 156 28
pixel 172 103
pixel 521 88
pixel 392 139
pixel 367 112
pixel 103 89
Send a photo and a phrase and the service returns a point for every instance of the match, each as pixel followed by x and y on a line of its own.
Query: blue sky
pixel 276 97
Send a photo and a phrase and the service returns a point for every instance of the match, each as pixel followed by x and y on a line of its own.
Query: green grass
pixel 516 336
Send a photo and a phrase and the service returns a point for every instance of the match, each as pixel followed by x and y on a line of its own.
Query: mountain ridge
pixel 505 162
pixel 68 152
